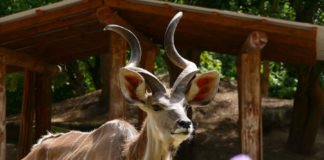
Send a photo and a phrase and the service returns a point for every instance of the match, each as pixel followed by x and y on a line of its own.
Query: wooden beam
pixel 27 115
pixel 70 56
pixel 10 37
pixel 13 58
pixel 53 35
pixel 280 48
pixel 301 42
pixel 50 16
pixel 77 43
pixel 116 59
pixel 250 112
pixel 42 105
pixel 2 109
pixel 215 17
pixel 107 16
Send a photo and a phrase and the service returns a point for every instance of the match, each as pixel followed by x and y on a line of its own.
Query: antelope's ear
pixel 132 85
pixel 203 88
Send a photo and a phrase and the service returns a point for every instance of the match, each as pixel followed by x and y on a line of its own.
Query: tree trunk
pixel 104 79
pixel 308 102
pixel 27 114
pixel 249 95
pixel 308 111
pixel 265 79
pixel 76 78
pixel 116 60
pixel 2 109
pixel 95 71
pixel 42 105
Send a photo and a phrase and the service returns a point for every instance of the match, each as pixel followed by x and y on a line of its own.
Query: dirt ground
pixel 216 125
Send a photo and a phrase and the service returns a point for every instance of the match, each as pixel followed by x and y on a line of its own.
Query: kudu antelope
pixel 166 125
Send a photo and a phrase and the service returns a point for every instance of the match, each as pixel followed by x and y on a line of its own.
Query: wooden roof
pixel 70 29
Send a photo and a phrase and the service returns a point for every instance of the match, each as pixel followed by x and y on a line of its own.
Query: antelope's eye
pixel 156 107
pixel 186 107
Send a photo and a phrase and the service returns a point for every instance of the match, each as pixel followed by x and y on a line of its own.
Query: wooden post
pixel 265 79
pixel 117 58
pixel 43 105
pixel 2 109
pixel 107 16
pixel 26 116
pixel 249 95
pixel 308 110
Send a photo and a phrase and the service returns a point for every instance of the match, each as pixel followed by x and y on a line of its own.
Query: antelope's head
pixel 166 108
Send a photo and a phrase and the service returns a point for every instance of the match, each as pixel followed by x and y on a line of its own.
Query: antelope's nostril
pixel 184 124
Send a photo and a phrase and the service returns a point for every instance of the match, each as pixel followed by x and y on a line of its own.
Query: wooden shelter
pixel 38 39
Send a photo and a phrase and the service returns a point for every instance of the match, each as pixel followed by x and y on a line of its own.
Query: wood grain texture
pixel 28 62
pixel 249 95
pixel 43 105
pixel 27 114
pixel 116 60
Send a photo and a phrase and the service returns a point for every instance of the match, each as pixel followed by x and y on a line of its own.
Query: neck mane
pixel 145 146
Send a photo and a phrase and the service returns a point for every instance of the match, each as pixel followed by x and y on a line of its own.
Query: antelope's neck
pixel 146 146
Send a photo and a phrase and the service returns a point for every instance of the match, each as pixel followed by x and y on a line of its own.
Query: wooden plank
pixel 43 105
pixel 53 35
pixel 194 27
pixel 2 109
pixel 76 46
pixel 116 60
pixel 107 16
pixel 27 115
pixel 13 58
pixel 279 48
pixel 46 27
pixel 214 18
pixel 151 18
pixel 50 16
pixel 249 95
pixel 78 54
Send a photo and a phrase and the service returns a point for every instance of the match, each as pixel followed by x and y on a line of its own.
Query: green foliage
pixel 283 82
pixel 14 92
pixel 75 80
pixel 223 63
pixel 61 88
pixel 13 6
pixel 160 66
pixel 84 70
pixel 208 61
pixel 322 79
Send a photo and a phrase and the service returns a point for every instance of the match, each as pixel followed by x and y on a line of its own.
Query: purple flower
pixel 241 157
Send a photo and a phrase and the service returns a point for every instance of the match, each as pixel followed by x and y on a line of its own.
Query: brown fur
pixel 101 144
pixel 135 148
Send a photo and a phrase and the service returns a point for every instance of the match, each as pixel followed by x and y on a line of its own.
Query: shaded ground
pixel 216 125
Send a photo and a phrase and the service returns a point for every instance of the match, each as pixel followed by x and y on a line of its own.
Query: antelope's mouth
pixel 182 131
